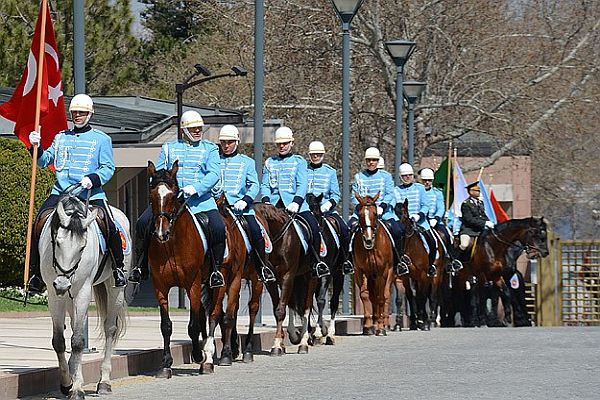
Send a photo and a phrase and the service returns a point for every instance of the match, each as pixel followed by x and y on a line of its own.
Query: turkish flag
pixel 21 106
pixel 501 215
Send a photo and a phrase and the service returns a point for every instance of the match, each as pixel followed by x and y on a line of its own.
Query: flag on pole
pixel 487 204
pixel 440 178
pixel 501 215
pixel 21 107
pixel 460 194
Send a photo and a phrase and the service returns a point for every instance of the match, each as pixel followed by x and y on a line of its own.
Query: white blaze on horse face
pixel 369 224
pixel 163 192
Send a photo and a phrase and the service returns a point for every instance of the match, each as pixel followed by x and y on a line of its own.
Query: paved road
pixel 483 363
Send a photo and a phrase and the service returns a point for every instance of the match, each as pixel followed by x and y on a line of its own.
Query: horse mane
pixel 273 213
pixel 163 176
pixel 535 222
pixel 74 208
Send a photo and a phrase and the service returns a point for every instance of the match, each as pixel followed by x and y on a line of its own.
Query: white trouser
pixel 465 241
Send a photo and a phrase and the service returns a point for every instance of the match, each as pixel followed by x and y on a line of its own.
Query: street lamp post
pixel 412 92
pixel 200 70
pixel 346 10
pixel 400 51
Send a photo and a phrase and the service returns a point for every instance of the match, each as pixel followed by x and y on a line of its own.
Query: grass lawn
pixel 12 305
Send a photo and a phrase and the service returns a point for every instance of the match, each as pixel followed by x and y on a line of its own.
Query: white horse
pixel 70 257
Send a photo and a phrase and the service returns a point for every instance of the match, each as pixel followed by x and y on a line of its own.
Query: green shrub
pixel 15 179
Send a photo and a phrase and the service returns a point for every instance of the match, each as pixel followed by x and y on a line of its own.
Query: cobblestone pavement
pixel 483 363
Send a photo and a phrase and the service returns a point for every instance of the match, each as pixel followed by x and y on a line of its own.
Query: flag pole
pixel 448 174
pixel 480 174
pixel 38 101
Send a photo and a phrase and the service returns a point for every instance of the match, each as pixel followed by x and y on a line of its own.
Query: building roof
pixel 475 145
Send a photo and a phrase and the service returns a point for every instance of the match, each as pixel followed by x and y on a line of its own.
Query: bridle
pixel 529 248
pixel 374 227
pixel 177 210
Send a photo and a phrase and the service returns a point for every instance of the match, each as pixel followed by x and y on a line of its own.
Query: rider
pixel 82 155
pixel 239 183
pixel 322 179
pixel 369 181
pixel 473 219
pixel 285 183
pixel 199 171
pixel 435 214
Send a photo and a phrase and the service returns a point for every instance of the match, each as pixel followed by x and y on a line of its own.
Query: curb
pixel 134 362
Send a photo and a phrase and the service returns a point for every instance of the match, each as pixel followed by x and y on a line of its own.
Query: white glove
pixel 379 211
pixel 415 217
pixel 34 138
pixel 293 207
pixel 86 183
pixel 433 222
pixel 326 206
pixel 489 224
pixel 189 190
pixel 240 205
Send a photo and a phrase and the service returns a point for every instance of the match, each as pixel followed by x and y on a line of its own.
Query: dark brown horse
pixel 177 259
pixel 334 260
pixel 417 284
pixel 293 275
pixel 373 258
pixel 489 257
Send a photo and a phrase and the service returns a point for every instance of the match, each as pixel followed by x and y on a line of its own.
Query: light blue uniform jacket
pixel 435 203
pixel 369 184
pixel 239 180
pixel 417 201
pixel 285 179
pixel 323 180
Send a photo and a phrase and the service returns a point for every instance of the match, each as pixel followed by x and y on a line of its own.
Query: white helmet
pixel 380 163
pixel 372 152
pixel 284 134
pixel 191 119
pixel 426 173
pixel 406 169
pixel 229 132
pixel 316 147
pixel 82 102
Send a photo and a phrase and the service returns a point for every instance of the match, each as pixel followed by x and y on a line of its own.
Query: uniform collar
pixel 371 173
pixel 406 185
pixel 285 156
pixel 83 129
pixel 235 153
pixel 316 166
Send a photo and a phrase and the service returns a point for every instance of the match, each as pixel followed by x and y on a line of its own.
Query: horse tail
pixel 101 298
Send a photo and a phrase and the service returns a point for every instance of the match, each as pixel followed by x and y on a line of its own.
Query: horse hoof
pixel 65 389
pixel 397 328
pixel 368 331
pixel 381 332
pixel 164 373
pixel 207 369
pixel 277 351
pixel 303 349
pixel 103 388
pixel 77 395
pixel 225 361
pixel 201 359
pixel 422 326
pixel 248 357
pixel 329 341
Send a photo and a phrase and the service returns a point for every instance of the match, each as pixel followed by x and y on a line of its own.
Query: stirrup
pixel 432 271
pixel 216 280
pixel 119 276
pixel 266 274
pixel 455 265
pixel 35 284
pixel 401 268
pixel 406 260
pixel 135 275
pixel 321 269
pixel 347 268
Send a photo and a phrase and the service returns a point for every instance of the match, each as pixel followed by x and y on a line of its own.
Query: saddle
pixel 44 215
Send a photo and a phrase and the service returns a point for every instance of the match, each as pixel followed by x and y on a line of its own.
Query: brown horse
pixel 293 275
pixel 336 279
pixel 417 284
pixel 233 271
pixel 177 259
pixel 489 257
pixel 373 258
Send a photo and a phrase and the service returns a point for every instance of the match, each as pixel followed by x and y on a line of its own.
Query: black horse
pixel 334 260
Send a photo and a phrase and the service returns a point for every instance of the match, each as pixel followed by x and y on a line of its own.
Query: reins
pixel 284 229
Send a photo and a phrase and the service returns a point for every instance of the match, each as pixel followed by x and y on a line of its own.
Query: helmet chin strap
pixel 190 136
pixel 85 122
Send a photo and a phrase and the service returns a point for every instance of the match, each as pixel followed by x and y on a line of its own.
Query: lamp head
pixel 239 71
pixel 202 69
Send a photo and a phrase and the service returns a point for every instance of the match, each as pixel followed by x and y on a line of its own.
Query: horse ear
pixel 151 168
pixel 320 197
pixel 406 203
pixel 174 169
pixel 90 218
pixel 376 196
pixel 64 219
pixel 358 197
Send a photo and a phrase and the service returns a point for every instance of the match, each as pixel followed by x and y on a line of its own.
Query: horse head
pixel 314 204
pixel 69 239
pixel 367 218
pixel 536 243
pixel 401 210
pixel 163 198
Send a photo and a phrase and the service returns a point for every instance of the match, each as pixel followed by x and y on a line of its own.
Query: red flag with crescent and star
pixel 21 106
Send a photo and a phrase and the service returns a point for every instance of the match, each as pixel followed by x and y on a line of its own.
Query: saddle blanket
pixel 203 235
pixel 333 233
pixel 247 242
pixel 302 231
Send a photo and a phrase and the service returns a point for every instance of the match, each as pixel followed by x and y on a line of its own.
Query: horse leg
pixel 321 300
pixel 279 306
pixel 209 346
pixel 361 282
pixel 166 329
pixel 229 320
pixel 303 345
pixel 384 301
pixel 400 304
pixel 334 303
pixel 505 296
pixel 253 307
pixel 58 312
pixel 411 297
pixel 81 303
pixel 115 316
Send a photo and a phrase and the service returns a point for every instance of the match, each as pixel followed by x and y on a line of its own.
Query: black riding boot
pixel 217 251
pixel 432 269
pixel 116 249
pixel 141 270
pixel 401 268
pixel 455 265
pixel 35 284
pixel 266 273
pixel 347 267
